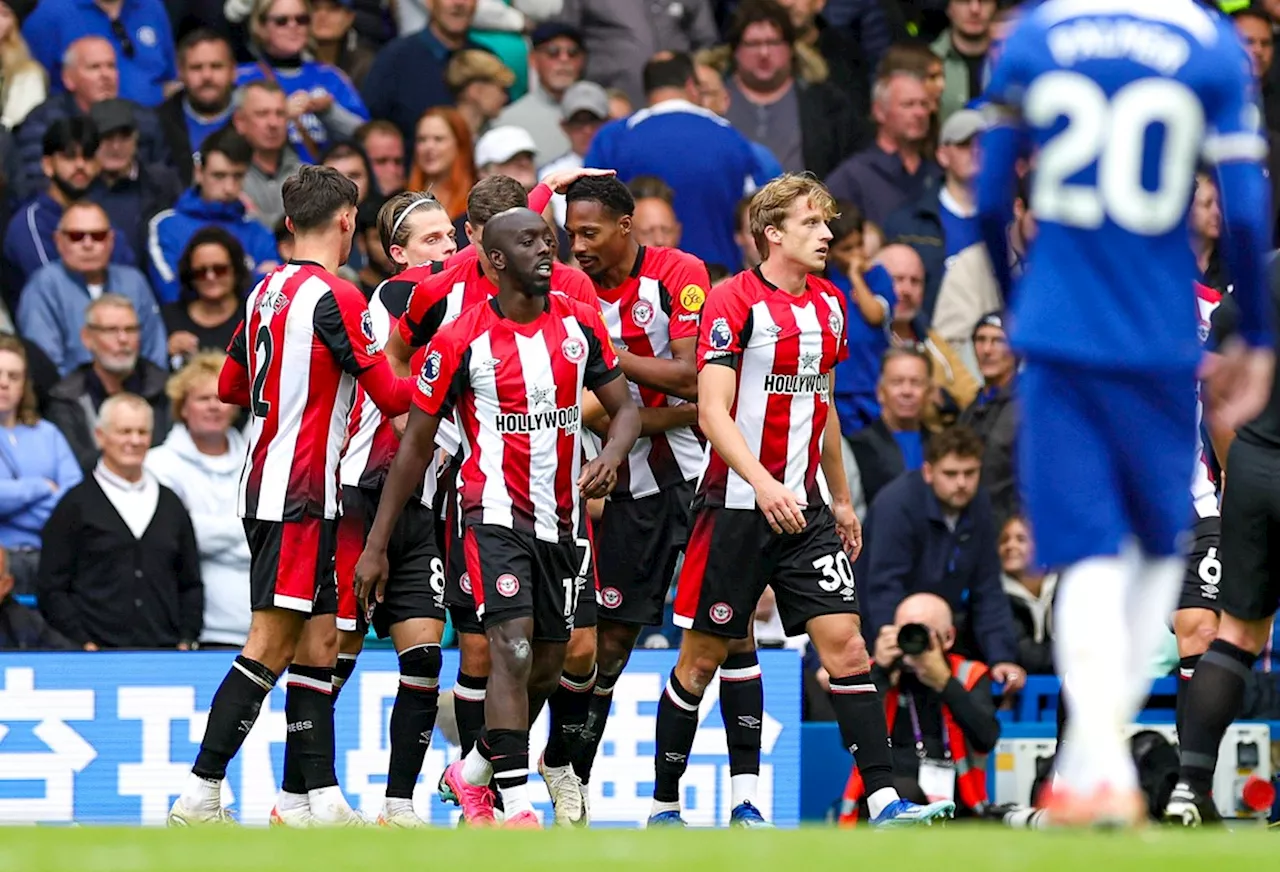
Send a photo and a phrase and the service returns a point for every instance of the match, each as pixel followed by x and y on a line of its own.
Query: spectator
pixel 1206 233
pixel 872 24
pixel 848 74
pixel 963 48
pixel 993 415
pixel 940 748
pixel 200 462
pixel 557 60
pixel 943 222
pixel 969 287
pixel 262 119
pixel 36 469
pixel 779 95
pixel 893 170
pixel 40 369
pixel 443 160
pixel 479 84
pixel 284 240
pixel 214 199
pixel 713 94
pixel 896 441
pixel 932 531
pixel 919 60
pixel 70 166
pixel 25 83
pixel 749 255
pixel 336 42
pixel 131 192
pixel 138 33
pixel 699 154
pixel 53 309
pixel 119 566
pixel 654 221
pixel 507 151
pixel 1030 594
pixel 323 105
pixel 382 142
pixel 584 108
pixel 954 386
pixel 869 303
pixel 207 70
pixel 1258 35
pixel 622 35
pixel 215 279
pixel 620 105
pixel 407 78
pixel 89 76
pixel 21 628
pixel 111 335
pixel 348 159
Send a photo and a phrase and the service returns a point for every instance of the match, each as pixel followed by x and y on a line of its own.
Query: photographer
pixel 939 709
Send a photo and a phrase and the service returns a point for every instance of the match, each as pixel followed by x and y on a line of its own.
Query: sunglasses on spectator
pixel 81 235
pixel 212 270
pixel 302 20
pixel 561 51
pixel 118 31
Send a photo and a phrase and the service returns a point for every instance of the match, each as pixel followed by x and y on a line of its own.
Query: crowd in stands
pixel 144 143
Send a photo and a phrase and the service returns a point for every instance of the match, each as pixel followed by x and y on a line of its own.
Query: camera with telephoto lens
pixel 914 638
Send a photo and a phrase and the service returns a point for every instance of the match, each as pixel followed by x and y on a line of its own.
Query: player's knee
pixel 1195 630
pixel 1249 636
pixel 350 642
pixel 845 655
pixel 473 651
pixel 319 643
pixel 420 667
pixel 580 654
pixel 614 643
pixel 513 654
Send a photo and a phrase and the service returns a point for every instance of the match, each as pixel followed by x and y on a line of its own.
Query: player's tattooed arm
pixel 677 377
pixel 601 474
pixel 652 421
pixel 717 386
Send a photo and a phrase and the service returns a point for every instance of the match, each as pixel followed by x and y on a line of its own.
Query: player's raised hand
pixel 372 570
pixel 848 528
pixel 779 506
pixel 597 478
pixel 1237 383
pixel 560 180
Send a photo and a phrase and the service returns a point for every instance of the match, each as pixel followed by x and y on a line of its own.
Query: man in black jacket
pixel 119 567
pixel 993 415
pixel 21 628
pixel 895 442
pixel 207 70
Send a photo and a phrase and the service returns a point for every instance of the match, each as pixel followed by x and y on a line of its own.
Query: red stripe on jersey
pixel 786 360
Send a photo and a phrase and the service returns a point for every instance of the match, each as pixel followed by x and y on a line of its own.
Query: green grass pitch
pixel 953 849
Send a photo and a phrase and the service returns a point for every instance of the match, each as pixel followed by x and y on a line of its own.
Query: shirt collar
pixel 107 477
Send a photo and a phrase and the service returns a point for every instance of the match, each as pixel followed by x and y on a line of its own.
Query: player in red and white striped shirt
pixel 514 369
pixel 773 506
pixel 305 341
pixel 651 298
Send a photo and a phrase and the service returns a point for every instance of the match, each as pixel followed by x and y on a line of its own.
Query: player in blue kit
pixel 1118 102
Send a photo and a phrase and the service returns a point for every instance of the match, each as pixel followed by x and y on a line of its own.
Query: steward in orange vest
pixel 970 766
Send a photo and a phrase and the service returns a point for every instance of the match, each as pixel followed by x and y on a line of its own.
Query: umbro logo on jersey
pixel 491 363
pixel 773 330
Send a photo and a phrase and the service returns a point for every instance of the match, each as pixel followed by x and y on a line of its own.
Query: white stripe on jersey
pixel 803 406
pixel 535 363
pixel 757 363
pixel 356 458
pixel 496 499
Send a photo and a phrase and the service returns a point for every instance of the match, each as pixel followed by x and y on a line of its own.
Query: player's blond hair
pixel 206 364
pixel 770 205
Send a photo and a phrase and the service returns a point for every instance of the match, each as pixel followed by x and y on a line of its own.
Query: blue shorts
pixel 1105 456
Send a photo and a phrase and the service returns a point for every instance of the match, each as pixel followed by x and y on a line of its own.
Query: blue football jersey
pixel 1118 102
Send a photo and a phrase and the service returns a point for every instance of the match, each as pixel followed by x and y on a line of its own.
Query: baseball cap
pixel 113 115
pixel 962 126
pixel 991 319
pixel 503 143
pixel 549 30
pixel 584 97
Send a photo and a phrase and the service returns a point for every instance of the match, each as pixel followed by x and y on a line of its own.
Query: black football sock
pixel 569 705
pixel 588 744
pixel 231 716
pixel 468 709
pixel 309 712
pixel 508 753
pixel 342 673
pixel 677 725
pixel 1186 669
pixel 413 717
pixel 860 714
pixel 1213 699
pixel 742 707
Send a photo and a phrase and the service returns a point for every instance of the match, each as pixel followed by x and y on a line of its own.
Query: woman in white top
pixel 200 461
pixel 23 82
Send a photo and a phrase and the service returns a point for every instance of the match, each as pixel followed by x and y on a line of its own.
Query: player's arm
pixel 233 379
pixel 398 351
pixel 847 524
pixel 1001 145
pixel 677 377
pixel 601 474
pixel 652 421
pixel 343 323
pixel 717 386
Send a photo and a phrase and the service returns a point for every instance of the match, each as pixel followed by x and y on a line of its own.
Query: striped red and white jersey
pixel 306 336
pixel 657 305
pixel 516 390
pixel 439 299
pixel 371 438
pixel 783 348
pixel 1204 491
